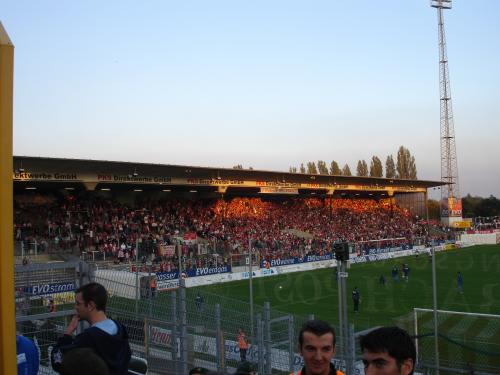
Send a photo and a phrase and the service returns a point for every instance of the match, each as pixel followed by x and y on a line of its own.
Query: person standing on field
pixel 356 299
pixel 460 283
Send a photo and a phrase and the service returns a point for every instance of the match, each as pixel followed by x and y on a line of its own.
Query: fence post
pixel 291 343
pixel 183 316
pixel 151 291
pixel 218 339
pixel 352 351
pixel 260 343
pixel 174 331
pixel 267 336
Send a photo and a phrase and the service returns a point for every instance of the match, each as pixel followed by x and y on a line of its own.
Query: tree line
pixel 471 207
pixel 404 167
pixel 477 206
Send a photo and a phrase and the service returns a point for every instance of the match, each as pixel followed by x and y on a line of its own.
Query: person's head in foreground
pixel 83 361
pixel 198 371
pixel 246 368
pixel 317 347
pixel 388 351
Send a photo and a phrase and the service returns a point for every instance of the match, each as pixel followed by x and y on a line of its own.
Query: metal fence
pixel 467 342
pixel 184 328
pixel 179 329
pixel 44 302
pixel 173 330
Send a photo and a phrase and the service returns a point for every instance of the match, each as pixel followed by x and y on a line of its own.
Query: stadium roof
pixel 92 173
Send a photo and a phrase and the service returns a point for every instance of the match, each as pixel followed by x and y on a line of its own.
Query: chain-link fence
pixel 466 341
pixel 44 302
pixel 186 327
pixel 180 328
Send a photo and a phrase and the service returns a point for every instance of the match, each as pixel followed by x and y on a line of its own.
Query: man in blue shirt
pixel 28 358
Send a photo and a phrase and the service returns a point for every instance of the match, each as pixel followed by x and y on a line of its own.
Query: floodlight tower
pixel 451 202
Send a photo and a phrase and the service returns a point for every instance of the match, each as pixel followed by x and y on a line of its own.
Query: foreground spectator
pixel 28 359
pixel 245 368
pixel 83 361
pixel 198 371
pixel 388 351
pixel 108 338
pixel 317 347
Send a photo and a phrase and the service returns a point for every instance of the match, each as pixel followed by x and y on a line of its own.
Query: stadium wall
pixel 122 283
pixel 491 238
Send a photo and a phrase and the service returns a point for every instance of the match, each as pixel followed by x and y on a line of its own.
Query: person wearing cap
pixel 317 347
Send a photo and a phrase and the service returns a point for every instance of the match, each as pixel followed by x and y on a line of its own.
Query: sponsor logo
pixel 43 289
pixel 211 271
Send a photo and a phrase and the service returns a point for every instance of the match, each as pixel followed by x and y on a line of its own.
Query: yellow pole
pixel 8 358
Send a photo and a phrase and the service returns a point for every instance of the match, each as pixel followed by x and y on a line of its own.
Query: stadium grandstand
pixel 102 207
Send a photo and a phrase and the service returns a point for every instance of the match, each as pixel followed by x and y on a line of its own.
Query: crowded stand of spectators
pixel 210 232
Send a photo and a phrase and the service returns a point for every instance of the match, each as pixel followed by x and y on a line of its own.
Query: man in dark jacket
pixel 108 338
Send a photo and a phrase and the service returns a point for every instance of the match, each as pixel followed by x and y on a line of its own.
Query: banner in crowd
pixel 189 237
pixel 167 250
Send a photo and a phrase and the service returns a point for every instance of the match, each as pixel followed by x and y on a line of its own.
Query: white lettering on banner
pixel 167 284
pixel 41 289
pixel 166 276
pixel 281 262
pixel 211 271
pixel 160 336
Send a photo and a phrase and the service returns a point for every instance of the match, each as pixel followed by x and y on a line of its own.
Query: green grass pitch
pixel 476 341
pixel 315 292
pixel 473 340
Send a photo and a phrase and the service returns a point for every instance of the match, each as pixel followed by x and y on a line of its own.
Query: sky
pixel 265 84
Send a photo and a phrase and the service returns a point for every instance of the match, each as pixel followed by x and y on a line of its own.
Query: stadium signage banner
pixel 296 260
pixel 44 289
pixel 167 280
pixel 170 280
pixel 278 190
pixel 279 187
pixel 317 258
pixel 208 271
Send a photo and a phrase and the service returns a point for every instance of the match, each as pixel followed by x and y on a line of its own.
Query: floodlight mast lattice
pixel 451 202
